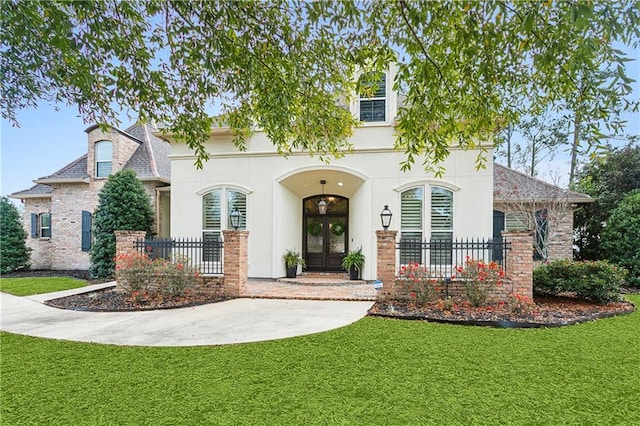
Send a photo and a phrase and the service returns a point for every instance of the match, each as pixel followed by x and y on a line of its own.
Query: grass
pixel 376 371
pixel 37 285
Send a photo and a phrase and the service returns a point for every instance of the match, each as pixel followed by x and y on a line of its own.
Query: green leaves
pixel 15 254
pixel 287 67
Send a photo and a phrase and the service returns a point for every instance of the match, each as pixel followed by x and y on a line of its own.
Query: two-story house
pixel 325 210
pixel 58 209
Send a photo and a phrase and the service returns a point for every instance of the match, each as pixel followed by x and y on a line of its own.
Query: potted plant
pixel 291 260
pixel 353 262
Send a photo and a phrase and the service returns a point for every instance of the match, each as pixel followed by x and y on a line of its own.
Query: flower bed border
pixel 631 307
pixel 206 300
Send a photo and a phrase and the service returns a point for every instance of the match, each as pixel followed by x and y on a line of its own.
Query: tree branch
pixel 404 5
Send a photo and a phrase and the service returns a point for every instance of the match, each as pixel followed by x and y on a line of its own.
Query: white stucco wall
pixel 277 185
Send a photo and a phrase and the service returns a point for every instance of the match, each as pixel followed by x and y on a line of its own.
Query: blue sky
pixel 48 139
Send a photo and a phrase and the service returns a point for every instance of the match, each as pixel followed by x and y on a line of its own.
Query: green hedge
pixel 598 281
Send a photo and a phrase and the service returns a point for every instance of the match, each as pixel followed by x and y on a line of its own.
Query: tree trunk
pixel 574 148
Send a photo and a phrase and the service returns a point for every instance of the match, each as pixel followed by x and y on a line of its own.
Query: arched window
pixel 422 219
pixel 222 200
pixel 104 158
pixel 214 203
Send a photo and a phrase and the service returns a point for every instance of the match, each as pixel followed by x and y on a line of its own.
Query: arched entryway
pixel 325 236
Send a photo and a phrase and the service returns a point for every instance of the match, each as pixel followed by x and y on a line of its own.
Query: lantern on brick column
pixel 236 218
pixel 385 217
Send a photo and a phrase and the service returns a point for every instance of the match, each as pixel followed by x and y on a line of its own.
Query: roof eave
pixel 168 136
pixel 543 200
pixel 18 196
pixel 49 181
pixel 155 179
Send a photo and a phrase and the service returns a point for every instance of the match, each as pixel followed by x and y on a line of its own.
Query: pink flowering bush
pixel 480 279
pixel 421 287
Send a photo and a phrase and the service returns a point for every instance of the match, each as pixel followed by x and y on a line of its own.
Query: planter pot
pixel 292 271
pixel 354 274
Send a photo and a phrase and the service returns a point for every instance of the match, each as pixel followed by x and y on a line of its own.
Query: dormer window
pixel 104 158
pixel 373 97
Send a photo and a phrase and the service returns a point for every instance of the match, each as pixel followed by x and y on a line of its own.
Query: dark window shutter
pixel 34 225
pixel 86 230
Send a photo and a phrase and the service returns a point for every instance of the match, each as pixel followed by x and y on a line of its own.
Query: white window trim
pixel 96 160
pixel 233 186
pixel 390 103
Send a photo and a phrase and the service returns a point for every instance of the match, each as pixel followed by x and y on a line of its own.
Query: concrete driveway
pixel 230 322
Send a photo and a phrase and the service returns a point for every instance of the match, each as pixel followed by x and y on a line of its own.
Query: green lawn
pixel 376 371
pixel 38 285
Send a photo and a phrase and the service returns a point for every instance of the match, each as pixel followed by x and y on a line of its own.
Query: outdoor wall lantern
pixel 236 218
pixel 385 217
pixel 322 204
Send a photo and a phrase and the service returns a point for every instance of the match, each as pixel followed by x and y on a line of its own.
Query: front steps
pixel 322 279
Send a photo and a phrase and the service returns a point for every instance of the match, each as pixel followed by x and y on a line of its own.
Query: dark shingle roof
pixel 37 190
pixel 513 186
pixel 74 170
pixel 150 161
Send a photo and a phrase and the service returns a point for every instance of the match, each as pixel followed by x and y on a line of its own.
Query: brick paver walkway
pixel 328 289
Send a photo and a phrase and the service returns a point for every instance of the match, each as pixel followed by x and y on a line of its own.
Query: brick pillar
pixel 125 244
pixel 386 262
pixel 236 265
pixel 520 261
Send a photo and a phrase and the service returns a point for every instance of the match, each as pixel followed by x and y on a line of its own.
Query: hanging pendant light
pixel 322 204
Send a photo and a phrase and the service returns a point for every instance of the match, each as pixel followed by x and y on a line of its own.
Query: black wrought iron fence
pixel 440 257
pixel 205 255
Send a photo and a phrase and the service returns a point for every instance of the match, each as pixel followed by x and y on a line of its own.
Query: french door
pixel 325 236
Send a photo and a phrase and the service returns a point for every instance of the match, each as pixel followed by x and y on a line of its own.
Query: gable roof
pixel 511 186
pixel 150 161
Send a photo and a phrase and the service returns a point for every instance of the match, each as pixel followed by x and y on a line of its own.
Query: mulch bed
pixel 108 300
pixel 548 312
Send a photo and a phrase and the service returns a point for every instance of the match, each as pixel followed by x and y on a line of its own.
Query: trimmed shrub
pixel 621 237
pixel 598 281
pixel 14 253
pixel 124 205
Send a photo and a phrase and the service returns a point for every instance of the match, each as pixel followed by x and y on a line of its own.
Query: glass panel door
pixel 325 236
